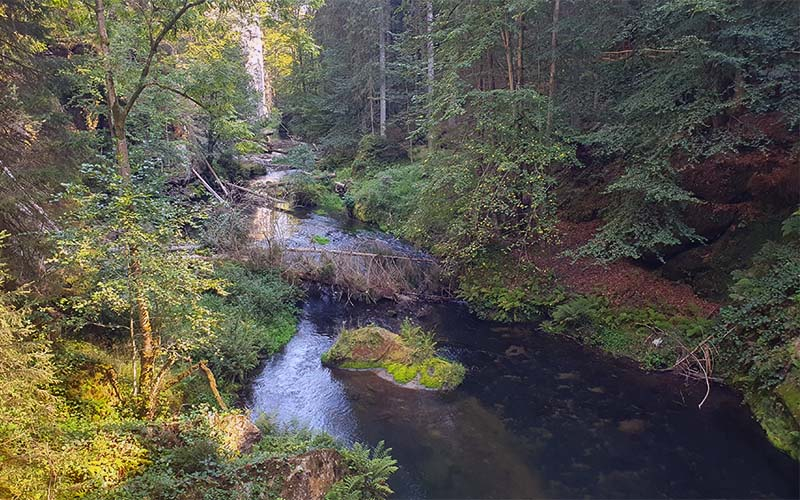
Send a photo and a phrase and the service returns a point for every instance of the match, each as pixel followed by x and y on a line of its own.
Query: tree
pixel 29 409
pixel 160 20
pixel 382 19
pixel 119 259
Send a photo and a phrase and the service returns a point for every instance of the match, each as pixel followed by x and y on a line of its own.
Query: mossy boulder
pixel 377 348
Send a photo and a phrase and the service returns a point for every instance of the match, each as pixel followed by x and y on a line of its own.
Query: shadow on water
pixel 536 417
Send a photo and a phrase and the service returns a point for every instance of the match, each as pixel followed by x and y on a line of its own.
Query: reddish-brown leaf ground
pixel 623 282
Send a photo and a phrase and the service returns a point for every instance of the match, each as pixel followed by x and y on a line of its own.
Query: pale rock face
pixel 253 48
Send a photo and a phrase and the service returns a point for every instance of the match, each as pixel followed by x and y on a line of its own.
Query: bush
pixel 301 156
pixel 646 335
pixel 258 319
pixel 227 229
pixel 758 336
pixel 310 192
pixel 387 196
pixel 369 474
pixel 373 151
pixel 498 290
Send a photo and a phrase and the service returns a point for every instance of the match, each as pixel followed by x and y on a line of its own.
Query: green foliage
pixel 651 337
pixel 764 316
pixel 495 289
pixel 27 428
pixel 757 335
pixel 422 343
pixel 492 190
pixel 301 156
pixel 258 317
pixel 115 225
pixel 310 191
pixel 370 471
pixel 320 240
pixel 374 151
pixel 387 195
pixel 723 60
pixel 645 215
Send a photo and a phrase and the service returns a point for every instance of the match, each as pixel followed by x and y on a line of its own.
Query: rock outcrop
pixel 308 476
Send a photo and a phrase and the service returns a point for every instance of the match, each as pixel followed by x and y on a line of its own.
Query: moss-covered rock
pixel 397 356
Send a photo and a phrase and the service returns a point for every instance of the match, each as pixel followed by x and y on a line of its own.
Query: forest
pixel 249 248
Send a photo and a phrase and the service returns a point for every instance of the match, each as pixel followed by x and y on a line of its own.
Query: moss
pixel 406 358
pixel 776 419
pixel 789 392
pixel 359 365
pixel 401 373
pixel 438 373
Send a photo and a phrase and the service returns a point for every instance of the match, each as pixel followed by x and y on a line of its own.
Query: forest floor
pixel 622 282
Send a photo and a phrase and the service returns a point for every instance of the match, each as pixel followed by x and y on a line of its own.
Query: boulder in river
pixel 408 359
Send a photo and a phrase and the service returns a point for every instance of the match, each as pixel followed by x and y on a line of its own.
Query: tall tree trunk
pixel 491 72
pixel 269 92
pixel 429 29
pixel 551 92
pixel 506 36
pixel 382 68
pixel 116 113
pixel 520 44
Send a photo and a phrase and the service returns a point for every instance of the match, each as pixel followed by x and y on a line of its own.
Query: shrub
pixel 387 196
pixel 497 290
pixel 300 156
pixel 374 150
pixel 370 471
pixel 258 319
pixel 758 336
pixel 309 192
pixel 647 335
pixel 226 229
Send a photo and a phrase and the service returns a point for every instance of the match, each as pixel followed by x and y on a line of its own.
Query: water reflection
pixel 536 417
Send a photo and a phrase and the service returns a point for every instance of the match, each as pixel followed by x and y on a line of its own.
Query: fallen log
pixel 359 254
pixel 256 193
pixel 208 187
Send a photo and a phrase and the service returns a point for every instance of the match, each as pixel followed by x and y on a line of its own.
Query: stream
pixel 537 416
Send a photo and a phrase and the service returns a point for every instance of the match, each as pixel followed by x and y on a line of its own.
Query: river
pixel 537 416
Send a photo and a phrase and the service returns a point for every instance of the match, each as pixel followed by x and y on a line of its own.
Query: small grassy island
pixel 409 358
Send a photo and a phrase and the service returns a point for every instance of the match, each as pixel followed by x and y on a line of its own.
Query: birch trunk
pixel 382 69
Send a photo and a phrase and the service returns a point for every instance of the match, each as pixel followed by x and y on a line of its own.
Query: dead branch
pixel 256 193
pixel 208 187
pixel 212 383
pixel 358 254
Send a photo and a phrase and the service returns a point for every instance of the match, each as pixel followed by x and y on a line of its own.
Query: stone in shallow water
pixel 632 426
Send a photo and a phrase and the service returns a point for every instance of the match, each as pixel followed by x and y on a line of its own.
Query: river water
pixel 536 417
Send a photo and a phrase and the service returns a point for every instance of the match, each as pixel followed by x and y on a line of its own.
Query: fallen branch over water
pixel 256 193
pixel 359 254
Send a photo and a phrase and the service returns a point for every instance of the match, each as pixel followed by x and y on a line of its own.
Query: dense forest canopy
pixel 619 171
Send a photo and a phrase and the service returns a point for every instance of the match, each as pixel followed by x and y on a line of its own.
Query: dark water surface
pixel 537 417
